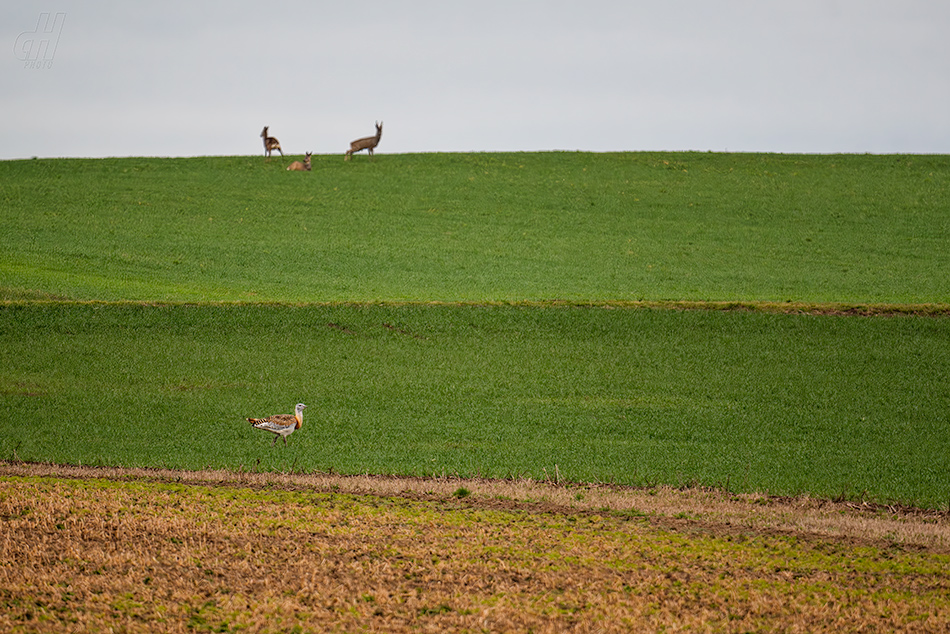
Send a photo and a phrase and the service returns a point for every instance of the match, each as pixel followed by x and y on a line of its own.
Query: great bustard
pixel 282 425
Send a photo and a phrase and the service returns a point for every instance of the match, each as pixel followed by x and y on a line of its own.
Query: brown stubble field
pixel 108 549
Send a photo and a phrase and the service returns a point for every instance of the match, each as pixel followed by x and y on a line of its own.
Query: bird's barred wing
pixel 282 419
pixel 275 427
pixel 277 423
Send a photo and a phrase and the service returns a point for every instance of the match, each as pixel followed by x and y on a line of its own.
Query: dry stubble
pixel 263 552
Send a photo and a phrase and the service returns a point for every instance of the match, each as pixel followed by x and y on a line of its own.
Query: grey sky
pixel 178 78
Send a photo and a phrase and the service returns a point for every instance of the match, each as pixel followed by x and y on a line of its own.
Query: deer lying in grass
pixel 366 143
pixel 297 166
pixel 270 143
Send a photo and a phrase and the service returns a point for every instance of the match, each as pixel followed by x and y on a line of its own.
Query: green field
pixel 480 227
pixel 756 402
pixel 152 304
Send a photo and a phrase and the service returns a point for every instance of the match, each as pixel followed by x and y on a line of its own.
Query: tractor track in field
pixel 840 309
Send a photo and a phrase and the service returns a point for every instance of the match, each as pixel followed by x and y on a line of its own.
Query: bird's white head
pixel 298 414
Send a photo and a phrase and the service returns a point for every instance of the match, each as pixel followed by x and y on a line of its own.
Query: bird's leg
pixel 274 444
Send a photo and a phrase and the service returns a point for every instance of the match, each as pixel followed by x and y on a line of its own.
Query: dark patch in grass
pixel 402 331
pixel 342 329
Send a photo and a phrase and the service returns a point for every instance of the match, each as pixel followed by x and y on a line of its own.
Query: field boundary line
pixel 845 309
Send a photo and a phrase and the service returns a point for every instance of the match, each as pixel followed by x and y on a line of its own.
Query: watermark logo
pixel 36 48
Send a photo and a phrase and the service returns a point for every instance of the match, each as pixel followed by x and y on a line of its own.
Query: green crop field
pixel 496 315
pixel 480 227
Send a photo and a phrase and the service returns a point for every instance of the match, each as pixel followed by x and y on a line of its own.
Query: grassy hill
pixel 480 227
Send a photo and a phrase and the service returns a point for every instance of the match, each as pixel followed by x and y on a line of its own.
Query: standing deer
pixel 366 143
pixel 270 143
pixel 297 166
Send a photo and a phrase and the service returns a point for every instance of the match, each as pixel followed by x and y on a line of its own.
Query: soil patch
pixel 161 550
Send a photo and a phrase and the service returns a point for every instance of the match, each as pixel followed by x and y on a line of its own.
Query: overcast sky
pixel 186 78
